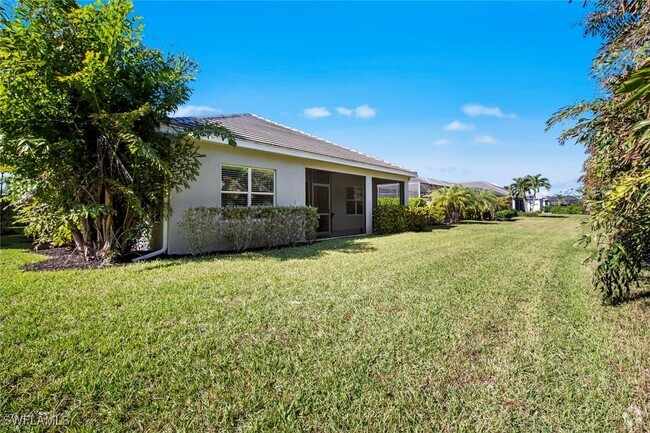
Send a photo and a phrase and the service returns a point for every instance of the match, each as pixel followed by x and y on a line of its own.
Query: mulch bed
pixel 63 258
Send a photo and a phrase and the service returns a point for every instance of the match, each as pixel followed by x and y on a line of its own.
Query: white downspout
pixel 163 249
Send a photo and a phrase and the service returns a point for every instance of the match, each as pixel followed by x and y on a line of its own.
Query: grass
pixel 489 327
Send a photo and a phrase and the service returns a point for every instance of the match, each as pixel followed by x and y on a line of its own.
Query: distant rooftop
pixel 430 181
pixel 250 127
pixel 480 184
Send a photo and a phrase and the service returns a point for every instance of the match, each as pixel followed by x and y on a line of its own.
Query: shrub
pixel 201 228
pixel 390 216
pixel 437 215
pixel 6 216
pixel 530 214
pixel 418 218
pixel 505 215
pixel 571 209
pixel 417 202
pixel 205 228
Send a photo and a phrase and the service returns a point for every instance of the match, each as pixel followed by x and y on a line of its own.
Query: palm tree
pixel 536 183
pixel 519 189
pixel 483 202
pixel 455 200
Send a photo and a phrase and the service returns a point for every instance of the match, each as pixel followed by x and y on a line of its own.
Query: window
pixel 245 186
pixel 354 200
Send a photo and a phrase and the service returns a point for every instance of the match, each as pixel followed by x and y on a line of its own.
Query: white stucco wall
pixel 289 181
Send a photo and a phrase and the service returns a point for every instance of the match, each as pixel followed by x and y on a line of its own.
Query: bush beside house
pixel 208 229
pixel 505 215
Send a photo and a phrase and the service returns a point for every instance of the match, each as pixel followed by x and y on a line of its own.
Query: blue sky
pixel 455 90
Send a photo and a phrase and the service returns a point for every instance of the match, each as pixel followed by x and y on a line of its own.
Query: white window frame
pixel 250 193
pixel 355 201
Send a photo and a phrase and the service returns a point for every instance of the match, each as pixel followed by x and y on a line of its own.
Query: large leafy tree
pixel 614 128
pixel 81 105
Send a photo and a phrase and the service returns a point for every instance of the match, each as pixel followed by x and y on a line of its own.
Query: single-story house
pixel 540 203
pixel 536 204
pixel 274 164
pixel 563 200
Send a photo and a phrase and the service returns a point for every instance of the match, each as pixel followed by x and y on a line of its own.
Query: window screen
pixel 246 186
pixel 354 200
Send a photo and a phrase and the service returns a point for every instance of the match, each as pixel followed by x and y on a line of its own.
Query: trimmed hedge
pixel 208 229
pixel 390 216
pixel 568 209
pixel 505 215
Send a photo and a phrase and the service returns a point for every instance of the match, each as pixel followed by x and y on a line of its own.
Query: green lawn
pixel 489 327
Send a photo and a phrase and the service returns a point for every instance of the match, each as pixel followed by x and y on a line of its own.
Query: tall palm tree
pixel 455 200
pixel 519 190
pixel 536 183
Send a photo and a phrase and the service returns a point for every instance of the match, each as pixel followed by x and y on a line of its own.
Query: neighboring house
pixel 499 191
pixel 565 199
pixel 422 186
pixel 273 164
pixel 538 204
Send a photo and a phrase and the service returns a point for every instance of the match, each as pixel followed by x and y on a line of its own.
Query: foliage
pixel 503 203
pixel 81 102
pixel 529 214
pixel 417 202
pixel 519 190
pixel 455 200
pixel 390 216
pixel 505 215
pixel 569 209
pixel 6 210
pixel 239 228
pixel 482 205
pixel 422 213
pixel 437 214
pixel 614 128
pixel 201 229
pixel 418 218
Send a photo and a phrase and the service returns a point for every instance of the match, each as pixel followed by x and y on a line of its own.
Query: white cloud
pixel 344 111
pixel 442 142
pixel 194 110
pixel 486 139
pixel 459 126
pixel 316 112
pixel 474 110
pixel 365 111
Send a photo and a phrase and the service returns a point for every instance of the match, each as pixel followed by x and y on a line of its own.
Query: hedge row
pixel 571 209
pixel 208 229
pixel 390 216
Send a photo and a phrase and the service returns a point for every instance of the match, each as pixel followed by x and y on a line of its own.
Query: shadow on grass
pixel 552 216
pixel 352 245
pixel 440 227
pixel 642 293
pixel 15 242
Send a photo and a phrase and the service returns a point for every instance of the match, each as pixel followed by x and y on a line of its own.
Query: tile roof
pixel 499 191
pixel 251 127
